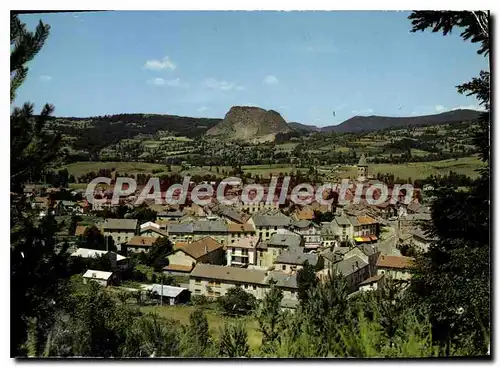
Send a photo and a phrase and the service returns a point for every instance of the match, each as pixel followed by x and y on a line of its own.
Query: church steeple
pixel 362 160
pixel 362 168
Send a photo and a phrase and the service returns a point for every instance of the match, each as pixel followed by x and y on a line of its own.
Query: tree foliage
pixel 237 302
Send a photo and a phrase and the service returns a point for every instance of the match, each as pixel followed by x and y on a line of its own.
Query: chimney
pixel 357 266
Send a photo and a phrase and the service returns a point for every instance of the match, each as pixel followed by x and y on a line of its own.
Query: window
pixel 118 238
pixel 233 250
pixel 217 293
pixel 276 228
pixel 197 291
pixel 254 287
pixel 283 267
pixel 197 281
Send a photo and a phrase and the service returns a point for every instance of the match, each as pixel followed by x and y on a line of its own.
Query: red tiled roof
pixel 141 241
pixel 400 262
pixel 178 268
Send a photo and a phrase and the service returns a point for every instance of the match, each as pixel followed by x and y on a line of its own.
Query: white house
pixel 101 277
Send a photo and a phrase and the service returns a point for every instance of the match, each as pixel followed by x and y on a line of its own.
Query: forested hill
pixel 94 133
pixel 370 123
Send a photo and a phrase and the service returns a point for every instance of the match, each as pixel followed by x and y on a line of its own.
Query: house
pixel 180 232
pixel 310 232
pixel 368 253
pixel 140 244
pixel 215 281
pixel 115 258
pixel 304 213
pixel 372 283
pixel 153 231
pixel 230 214
pixel 216 229
pixel 397 267
pixel 420 239
pixel 171 295
pixel 242 251
pixel 330 258
pixel 121 230
pixel 103 278
pixel 291 261
pixel 267 225
pixel 354 269
pixel 366 230
pixel 169 215
pixel 328 235
pixel 362 229
pixel 269 250
pixel 206 250
pixel 286 282
pixel 342 228
pixel 238 231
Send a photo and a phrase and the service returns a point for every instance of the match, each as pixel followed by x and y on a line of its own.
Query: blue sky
pixel 306 65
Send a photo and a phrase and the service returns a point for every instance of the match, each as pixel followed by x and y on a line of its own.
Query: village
pixel 217 247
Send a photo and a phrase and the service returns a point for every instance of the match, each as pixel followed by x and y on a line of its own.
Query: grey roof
pixel 362 160
pixel 231 213
pixel 284 240
pixel 301 224
pixel 168 291
pixel 349 265
pixel 186 228
pixel 170 214
pixel 282 280
pixel 342 220
pixel 418 232
pixel 265 220
pixel 210 227
pixel 353 220
pixel 120 224
pixel 332 257
pixel 296 257
pixel 341 250
pixel 234 274
pixel 368 249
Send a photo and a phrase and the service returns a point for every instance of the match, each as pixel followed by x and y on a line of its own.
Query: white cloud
pixel 176 83
pixel 213 83
pixel 164 63
pixel 440 108
pixel 270 80
pixel 202 108
pixel 157 81
pixel 284 107
pixel 45 78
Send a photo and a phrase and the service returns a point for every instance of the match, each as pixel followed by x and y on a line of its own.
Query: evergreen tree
pixel 233 341
pixel 37 267
pixel 269 316
pixel 306 281
pixel 453 278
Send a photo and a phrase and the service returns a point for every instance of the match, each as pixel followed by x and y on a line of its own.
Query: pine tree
pixel 453 278
pixel 233 341
pixel 269 316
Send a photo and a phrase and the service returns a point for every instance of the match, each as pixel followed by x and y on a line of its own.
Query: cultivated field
pixel 415 170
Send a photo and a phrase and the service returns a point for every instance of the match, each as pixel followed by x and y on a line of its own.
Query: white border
pixel 193 5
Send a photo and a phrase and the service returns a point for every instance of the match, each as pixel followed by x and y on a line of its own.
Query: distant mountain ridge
pixel 373 122
pixel 250 124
